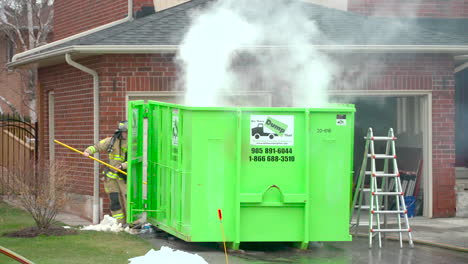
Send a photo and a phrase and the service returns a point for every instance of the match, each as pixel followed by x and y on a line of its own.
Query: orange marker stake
pixel 220 216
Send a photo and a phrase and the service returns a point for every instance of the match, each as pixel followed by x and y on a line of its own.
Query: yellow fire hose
pixel 91 157
pixel 15 256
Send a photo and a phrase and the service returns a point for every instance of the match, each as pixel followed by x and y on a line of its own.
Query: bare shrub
pixel 3 177
pixel 41 191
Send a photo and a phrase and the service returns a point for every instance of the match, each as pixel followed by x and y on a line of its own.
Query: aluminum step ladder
pixel 377 206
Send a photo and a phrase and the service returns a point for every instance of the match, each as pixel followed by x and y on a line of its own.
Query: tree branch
pixel 28 24
pixel 29 15
pixel 18 32
pixel 46 29
pixel 12 107
pixel 37 13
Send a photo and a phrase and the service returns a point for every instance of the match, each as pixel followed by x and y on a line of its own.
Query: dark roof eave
pixel 145 49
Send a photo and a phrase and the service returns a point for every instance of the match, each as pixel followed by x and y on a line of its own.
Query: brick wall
pixel 73 118
pixel 11 89
pixel 122 73
pixel 10 83
pixel 74 104
pixel 419 8
pixel 75 16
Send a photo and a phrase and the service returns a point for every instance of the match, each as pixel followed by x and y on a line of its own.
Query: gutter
pixel 464 65
pixel 96 211
pixel 135 49
pixel 129 17
pixel 95 50
pixel 461 67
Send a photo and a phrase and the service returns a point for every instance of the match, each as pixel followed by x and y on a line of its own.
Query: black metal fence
pixel 18 147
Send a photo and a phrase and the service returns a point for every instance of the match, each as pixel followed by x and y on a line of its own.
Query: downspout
pixel 129 17
pixel 95 129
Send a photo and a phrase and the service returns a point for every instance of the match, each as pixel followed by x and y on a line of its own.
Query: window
pixel 10 49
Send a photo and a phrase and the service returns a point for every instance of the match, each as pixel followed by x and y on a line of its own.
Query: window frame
pixel 10 49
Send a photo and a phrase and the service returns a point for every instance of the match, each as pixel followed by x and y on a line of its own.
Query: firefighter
pixel 114 183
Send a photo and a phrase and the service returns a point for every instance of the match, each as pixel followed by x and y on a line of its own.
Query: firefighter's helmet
pixel 123 126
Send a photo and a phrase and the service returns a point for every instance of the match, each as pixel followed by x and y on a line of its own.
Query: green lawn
pixel 86 247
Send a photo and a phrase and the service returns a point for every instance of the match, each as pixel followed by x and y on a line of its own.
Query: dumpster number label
pixel 175 129
pixel 272 130
pixel 175 134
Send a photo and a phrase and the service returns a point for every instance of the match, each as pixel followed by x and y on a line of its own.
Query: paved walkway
pixel 448 233
pixel 72 220
pixel 66 218
pixel 445 232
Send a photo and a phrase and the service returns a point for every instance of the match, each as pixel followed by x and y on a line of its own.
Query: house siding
pixel 403 8
pixel 120 74
pixel 164 4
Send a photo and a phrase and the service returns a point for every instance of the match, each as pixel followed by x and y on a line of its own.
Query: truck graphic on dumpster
pixel 258 132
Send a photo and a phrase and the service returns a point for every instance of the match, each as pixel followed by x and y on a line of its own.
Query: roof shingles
pixel 338 28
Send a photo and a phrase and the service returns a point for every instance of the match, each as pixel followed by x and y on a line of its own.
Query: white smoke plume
pixel 254 45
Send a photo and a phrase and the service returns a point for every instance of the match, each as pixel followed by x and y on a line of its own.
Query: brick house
pixel 14 84
pixel 10 81
pixel 134 59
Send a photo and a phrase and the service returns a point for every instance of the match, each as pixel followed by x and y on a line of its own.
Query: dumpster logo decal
pixel 276 126
pixel 272 130
pixel 341 120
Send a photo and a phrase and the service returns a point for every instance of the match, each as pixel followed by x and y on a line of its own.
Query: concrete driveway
pixel 356 251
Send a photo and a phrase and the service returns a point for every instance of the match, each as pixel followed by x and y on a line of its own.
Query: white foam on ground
pixel 108 224
pixel 167 255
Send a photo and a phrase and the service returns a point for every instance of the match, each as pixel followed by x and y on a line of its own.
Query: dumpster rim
pixel 328 108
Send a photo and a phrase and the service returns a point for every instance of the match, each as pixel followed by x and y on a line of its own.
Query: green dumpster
pixel 277 174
